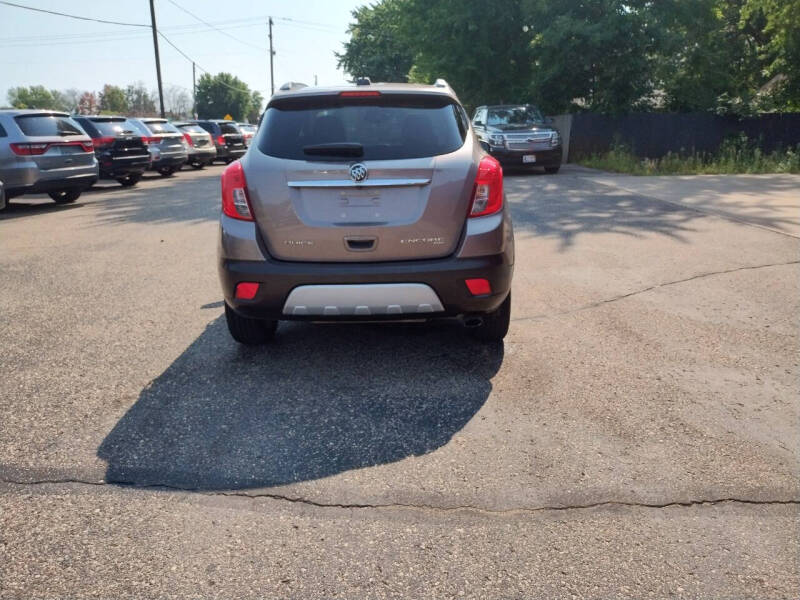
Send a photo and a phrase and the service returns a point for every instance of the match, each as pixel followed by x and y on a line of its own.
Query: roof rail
pixel 292 85
pixel 441 83
pixel 363 81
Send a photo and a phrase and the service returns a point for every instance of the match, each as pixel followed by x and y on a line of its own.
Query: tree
pixel 222 94
pixel 594 55
pixel 779 50
pixel 87 105
pixel 377 47
pixel 35 96
pixel 480 48
pixel 140 102
pixel 177 102
pixel 256 102
pixel 112 100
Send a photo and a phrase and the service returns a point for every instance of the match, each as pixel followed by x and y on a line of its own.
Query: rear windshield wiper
pixel 66 133
pixel 337 149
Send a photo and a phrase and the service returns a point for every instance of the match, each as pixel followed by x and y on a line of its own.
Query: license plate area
pixel 528 158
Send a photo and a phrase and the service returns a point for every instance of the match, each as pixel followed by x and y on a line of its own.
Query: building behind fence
pixel 653 135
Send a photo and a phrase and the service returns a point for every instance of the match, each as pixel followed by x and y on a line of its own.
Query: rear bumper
pixel 445 276
pixel 54 185
pixel 544 158
pixel 25 177
pixel 121 166
pixel 234 153
pixel 202 154
pixel 169 161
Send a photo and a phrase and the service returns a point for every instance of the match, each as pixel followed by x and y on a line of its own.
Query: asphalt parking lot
pixel 635 436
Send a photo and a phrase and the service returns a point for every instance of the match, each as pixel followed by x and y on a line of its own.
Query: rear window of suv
pixel 47 125
pixel 192 128
pixel 229 128
pixel 388 127
pixel 113 126
pixel 160 127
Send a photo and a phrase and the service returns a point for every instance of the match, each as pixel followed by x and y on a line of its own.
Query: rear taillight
pixel 29 149
pixel 151 140
pixel 188 139
pixel 103 141
pixel 235 202
pixel 40 148
pixel 221 140
pixel 487 197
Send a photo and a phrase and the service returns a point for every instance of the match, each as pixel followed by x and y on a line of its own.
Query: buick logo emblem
pixel 358 172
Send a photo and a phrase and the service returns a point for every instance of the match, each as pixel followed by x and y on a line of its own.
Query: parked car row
pixel 43 151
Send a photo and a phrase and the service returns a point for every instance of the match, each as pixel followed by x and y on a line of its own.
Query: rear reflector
pixel 478 287
pixel 235 202
pixel 364 94
pixel 246 290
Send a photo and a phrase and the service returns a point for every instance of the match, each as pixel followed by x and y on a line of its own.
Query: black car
pixel 227 137
pixel 518 134
pixel 120 149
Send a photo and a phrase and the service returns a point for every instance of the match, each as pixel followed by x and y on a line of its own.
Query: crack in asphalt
pixel 429 507
pixel 650 289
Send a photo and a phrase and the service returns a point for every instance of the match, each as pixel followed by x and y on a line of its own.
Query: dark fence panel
pixel 652 135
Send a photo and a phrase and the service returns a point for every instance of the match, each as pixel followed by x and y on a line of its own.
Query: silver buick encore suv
pixel 365 203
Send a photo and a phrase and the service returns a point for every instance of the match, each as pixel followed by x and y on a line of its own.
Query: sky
pixel 61 53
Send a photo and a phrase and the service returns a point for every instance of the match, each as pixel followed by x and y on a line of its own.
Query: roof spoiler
pixel 290 86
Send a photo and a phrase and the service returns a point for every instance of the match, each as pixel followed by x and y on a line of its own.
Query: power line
pixel 191 60
pixel 60 14
pixel 217 29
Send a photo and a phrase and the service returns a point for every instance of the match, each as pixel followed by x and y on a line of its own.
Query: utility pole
pixel 315 81
pixel 271 54
pixel 158 60
pixel 194 92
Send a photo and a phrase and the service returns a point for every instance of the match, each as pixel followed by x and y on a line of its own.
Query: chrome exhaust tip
pixel 472 322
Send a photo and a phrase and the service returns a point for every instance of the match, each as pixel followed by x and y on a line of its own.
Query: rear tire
pixel 65 196
pixel 166 171
pixel 129 180
pixel 495 324
pixel 552 170
pixel 250 332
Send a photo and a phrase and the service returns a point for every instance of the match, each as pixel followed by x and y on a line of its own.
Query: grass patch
pixel 735 156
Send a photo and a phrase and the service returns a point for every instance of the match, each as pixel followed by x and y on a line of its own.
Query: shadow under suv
pixel 373 202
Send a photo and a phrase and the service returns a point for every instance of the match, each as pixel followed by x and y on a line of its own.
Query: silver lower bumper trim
pixel 362 300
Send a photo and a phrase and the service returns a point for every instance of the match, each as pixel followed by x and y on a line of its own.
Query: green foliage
pixel 256 103
pixel 778 51
pixel 608 56
pixel 595 55
pixel 222 94
pixel 112 100
pixel 377 47
pixel 736 155
pixel 35 96
pixel 140 102
pixel 480 48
